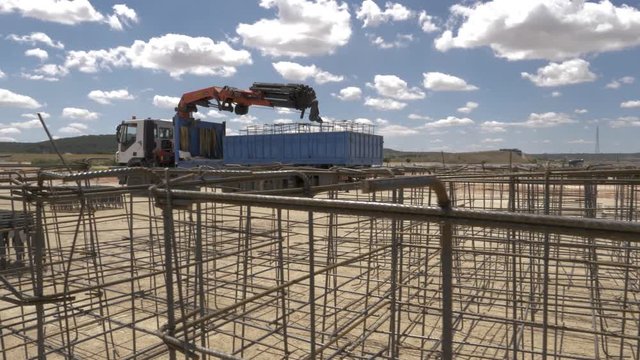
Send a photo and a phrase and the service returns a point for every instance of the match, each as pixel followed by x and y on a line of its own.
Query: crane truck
pixel 188 142
pixel 156 142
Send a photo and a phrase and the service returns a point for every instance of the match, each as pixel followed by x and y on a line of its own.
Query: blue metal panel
pixel 194 127
pixel 318 149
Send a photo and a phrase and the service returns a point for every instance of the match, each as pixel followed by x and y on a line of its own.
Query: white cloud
pixel 216 114
pixel 559 74
pixel 535 120
pixel 350 93
pixel 38 77
pixel 581 111
pixel 173 53
pixel 73 129
pixel 79 114
pixel 182 54
pixel 437 81
pixel 37 52
pixel 323 77
pixel 32 121
pixel 29 124
pixel 518 30
pixel 384 104
pixel 245 119
pixel 47 72
pixel 363 121
pixel 492 140
pixel 166 102
pixel 2 74
pixel 372 16
pixel 468 107
pixel 63 12
pixel 493 127
pixel 232 39
pixel 630 104
pixel 402 40
pixel 284 111
pixel 296 72
pixel 426 22
pixel 419 117
pixel 282 121
pixel 79 126
pixel 556 94
pixel 396 131
pixel 394 87
pixel 69 12
pixel 448 122
pixel 10 99
pixel 625 80
pixel 122 14
pixel 10 131
pixel 106 97
pixel 7 139
pixel 579 141
pixel 34 38
pixel 53 70
pixel 548 119
pixel 303 28
pixel 45 115
pixel 93 61
pixel 626 121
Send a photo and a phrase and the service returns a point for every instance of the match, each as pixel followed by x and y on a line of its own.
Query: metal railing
pixel 296 128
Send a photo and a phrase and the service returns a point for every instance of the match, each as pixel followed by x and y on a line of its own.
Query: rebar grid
pixel 219 276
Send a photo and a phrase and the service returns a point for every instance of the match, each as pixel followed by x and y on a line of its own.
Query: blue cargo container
pixel 334 148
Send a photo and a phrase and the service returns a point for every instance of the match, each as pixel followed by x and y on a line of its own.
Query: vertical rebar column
pixel 167 219
pixel 280 281
pixel 593 268
pixel 38 291
pixel 514 278
pixel 131 272
pixel 393 346
pixel 446 259
pixel 545 282
pixel 627 261
pixel 200 274
pixel 312 290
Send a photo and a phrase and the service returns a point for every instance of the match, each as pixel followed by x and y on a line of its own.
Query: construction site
pixel 265 263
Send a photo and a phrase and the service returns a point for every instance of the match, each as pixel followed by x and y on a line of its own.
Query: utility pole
pixel 597 139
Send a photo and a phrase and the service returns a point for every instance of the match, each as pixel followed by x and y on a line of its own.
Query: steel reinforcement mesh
pixel 169 274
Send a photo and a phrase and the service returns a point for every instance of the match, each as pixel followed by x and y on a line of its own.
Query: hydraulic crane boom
pixel 293 96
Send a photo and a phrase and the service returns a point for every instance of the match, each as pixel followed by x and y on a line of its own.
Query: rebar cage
pixel 175 273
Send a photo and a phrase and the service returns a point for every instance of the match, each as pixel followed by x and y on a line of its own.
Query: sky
pixel 538 75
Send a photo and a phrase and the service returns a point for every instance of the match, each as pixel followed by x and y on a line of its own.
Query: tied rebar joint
pixel 373 185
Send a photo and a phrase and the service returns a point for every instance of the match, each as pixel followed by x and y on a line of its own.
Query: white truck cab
pixel 145 142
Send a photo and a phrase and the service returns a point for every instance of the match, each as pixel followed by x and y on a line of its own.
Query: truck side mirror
pixel 118 133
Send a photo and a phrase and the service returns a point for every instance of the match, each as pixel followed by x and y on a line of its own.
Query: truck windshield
pixel 165 134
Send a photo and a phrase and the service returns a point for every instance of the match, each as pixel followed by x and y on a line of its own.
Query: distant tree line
pixel 87 144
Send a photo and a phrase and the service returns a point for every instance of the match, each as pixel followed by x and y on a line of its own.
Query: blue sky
pixel 539 75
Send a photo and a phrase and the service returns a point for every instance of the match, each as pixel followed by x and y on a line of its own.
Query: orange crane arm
pixel 227 98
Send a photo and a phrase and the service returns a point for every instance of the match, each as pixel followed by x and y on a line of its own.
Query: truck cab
pixel 145 142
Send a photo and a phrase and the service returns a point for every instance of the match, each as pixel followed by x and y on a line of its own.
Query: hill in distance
pixel 87 144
